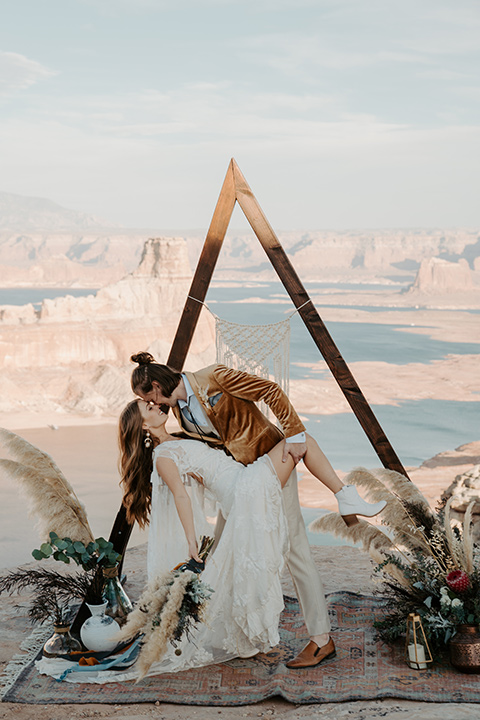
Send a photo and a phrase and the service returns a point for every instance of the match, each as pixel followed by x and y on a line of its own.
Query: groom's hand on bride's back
pixel 296 450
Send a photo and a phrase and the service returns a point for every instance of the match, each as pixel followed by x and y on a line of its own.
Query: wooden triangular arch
pixel 235 189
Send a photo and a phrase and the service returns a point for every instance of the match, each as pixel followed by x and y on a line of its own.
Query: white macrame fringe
pixel 262 350
pixel 31 645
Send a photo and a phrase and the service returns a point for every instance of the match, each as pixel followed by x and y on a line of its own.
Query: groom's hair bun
pixel 142 358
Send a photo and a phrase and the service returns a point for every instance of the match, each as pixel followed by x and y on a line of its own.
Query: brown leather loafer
pixel 312 655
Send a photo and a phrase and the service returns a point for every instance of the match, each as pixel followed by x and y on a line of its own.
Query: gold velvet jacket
pixel 243 428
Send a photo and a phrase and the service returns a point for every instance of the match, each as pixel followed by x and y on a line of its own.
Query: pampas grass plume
pixel 369 535
pixel 49 494
pixel 374 541
pixel 149 604
pixel 156 643
pixel 403 487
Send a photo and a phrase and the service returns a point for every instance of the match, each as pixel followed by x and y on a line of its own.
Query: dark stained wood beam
pixel 314 323
pixel 204 271
pixel 236 189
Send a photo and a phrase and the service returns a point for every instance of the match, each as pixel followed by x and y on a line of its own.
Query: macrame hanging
pixel 262 350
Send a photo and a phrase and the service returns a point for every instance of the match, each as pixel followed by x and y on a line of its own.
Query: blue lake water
pixel 416 429
pixel 23 296
pixel 356 341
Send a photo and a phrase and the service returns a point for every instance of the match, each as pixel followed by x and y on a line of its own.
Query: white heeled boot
pixel 350 504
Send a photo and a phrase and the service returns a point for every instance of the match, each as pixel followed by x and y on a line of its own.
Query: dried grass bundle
pixel 148 606
pixel 155 645
pixel 375 489
pixel 170 606
pixel 50 496
pixel 362 532
pixel 402 496
pixel 24 452
pixel 454 545
pixel 396 514
pixel 378 545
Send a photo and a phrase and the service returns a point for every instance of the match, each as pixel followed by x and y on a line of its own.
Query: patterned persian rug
pixel 363 669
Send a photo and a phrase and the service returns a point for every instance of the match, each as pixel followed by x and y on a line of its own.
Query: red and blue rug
pixel 363 669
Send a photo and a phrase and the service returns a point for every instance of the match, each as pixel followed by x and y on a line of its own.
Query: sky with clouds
pixel 340 113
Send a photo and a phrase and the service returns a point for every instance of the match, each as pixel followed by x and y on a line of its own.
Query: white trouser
pixel 301 565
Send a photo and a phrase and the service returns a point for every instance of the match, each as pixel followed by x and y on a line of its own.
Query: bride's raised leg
pixel 349 501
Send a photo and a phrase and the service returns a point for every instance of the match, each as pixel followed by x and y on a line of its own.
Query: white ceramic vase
pixel 99 630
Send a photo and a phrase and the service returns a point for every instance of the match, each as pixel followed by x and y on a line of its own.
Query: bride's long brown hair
pixel 136 464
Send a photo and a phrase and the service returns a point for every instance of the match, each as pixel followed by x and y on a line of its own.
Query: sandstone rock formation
pixel 342 254
pixel 67 259
pixel 155 289
pixel 73 354
pixel 93 258
pixel 437 275
pixel 59 271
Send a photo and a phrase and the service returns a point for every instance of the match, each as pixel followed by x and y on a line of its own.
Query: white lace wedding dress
pixel 244 570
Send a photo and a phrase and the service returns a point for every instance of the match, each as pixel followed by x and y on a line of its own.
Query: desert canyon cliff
pixel 44 244
pixel 72 355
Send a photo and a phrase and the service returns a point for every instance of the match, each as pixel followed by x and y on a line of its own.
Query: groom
pixel 217 404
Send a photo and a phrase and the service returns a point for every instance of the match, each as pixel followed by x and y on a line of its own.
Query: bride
pixel 188 480
pixel 173 484
pixel 170 488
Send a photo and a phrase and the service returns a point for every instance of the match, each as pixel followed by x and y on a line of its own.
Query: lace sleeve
pixel 173 451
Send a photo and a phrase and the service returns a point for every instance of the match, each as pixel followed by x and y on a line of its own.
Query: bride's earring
pixel 148 439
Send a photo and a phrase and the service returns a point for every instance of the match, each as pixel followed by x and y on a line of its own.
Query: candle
pixel 417 661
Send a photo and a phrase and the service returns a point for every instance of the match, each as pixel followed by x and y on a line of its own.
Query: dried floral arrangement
pixel 169 608
pixel 60 516
pixel 428 566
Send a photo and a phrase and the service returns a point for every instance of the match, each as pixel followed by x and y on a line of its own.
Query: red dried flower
pixel 458 581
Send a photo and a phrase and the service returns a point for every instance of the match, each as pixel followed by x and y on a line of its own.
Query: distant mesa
pixel 436 275
pixel 43 244
pixel 149 295
pixel 164 258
